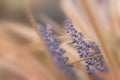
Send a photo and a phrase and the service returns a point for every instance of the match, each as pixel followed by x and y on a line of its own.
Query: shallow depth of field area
pixel 59 40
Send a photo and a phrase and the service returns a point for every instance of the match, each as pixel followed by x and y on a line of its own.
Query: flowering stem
pixel 66 38
pixel 99 55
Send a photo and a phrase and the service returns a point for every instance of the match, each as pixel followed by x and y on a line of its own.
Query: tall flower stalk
pixel 86 49
pixel 56 52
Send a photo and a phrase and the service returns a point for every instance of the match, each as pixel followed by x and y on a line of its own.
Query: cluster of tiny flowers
pixel 85 49
pixel 56 52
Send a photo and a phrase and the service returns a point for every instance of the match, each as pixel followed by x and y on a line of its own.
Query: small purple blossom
pixel 85 49
pixel 56 52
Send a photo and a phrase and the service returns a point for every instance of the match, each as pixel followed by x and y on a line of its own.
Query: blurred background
pixel 23 55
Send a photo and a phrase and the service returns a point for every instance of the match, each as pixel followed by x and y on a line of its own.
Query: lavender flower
pixel 56 52
pixel 85 49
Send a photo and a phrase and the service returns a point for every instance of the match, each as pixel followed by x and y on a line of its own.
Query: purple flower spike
pixel 85 49
pixel 56 52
